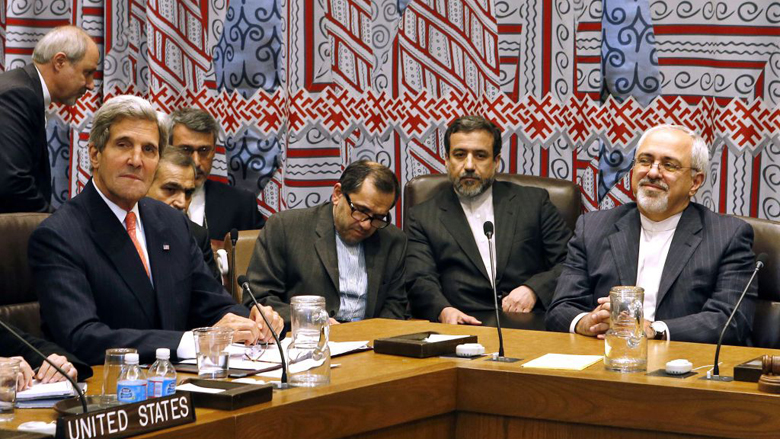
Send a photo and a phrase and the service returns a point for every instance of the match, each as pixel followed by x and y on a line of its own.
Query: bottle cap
pixel 131 358
pixel 163 353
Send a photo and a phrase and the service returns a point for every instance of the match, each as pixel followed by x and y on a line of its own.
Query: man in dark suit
pixel 448 261
pixel 115 269
pixel 216 206
pixel 64 63
pixel 692 263
pixel 174 184
pixel 345 250
pixel 12 347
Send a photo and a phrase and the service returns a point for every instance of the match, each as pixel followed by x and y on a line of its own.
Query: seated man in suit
pixel 11 347
pixel 692 263
pixel 345 250
pixel 174 184
pixel 448 261
pixel 216 206
pixel 115 269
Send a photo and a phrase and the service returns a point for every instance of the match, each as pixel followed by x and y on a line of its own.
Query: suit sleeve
pixel 266 272
pixel 12 347
pixel 555 237
pixel 256 218
pixel 573 294
pixel 734 271
pixel 422 278
pixel 68 305
pixel 17 153
pixel 396 302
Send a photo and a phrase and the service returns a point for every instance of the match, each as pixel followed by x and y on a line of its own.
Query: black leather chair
pixel 766 322
pixel 245 247
pixel 564 194
pixel 18 301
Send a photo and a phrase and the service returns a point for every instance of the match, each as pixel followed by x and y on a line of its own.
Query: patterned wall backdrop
pixel 303 87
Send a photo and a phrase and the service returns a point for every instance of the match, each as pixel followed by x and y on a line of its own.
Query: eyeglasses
pixel 203 151
pixel 376 222
pixel 670 167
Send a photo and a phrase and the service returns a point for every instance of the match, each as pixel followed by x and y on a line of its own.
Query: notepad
pixel 61 389
pixel 563 361
pixel 189 387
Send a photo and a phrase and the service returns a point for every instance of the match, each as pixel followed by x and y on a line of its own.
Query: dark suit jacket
pixel 201 236
pixel 12 347
pixel 94 291
pixel 709 263
pixel 25 173
pixel 295 255
pixel 444 267
pixel 229 207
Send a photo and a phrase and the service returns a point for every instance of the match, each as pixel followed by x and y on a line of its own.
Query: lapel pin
pixel 166 247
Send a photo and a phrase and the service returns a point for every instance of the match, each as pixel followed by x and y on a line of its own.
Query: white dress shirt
pixel 353 281
pixel 478 210
pixel 197 209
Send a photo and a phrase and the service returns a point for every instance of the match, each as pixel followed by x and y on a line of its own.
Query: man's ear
pixel 94 156
pixel 336 193
pixel 58 61
pixel 698 180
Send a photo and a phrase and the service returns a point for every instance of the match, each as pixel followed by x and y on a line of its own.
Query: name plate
pixel 129 419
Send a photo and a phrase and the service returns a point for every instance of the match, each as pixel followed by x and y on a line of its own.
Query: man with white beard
pixel 691 262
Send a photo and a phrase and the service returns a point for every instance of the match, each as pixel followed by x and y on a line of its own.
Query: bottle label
pixel 161 387
pixel 131 391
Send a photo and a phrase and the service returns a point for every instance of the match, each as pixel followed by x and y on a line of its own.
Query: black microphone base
pixel 721 378
pixel 504 359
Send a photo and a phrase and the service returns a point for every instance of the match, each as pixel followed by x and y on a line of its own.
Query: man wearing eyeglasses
pixel 345 250
pixel 216 206
pixel 691 262
pixel 448 262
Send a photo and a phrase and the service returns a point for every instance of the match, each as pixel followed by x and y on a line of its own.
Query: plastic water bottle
pixel 162 375
pixel 131 385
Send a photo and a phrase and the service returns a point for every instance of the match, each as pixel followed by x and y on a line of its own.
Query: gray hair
pixel 700 154
pixel 121 107
pixel 70 40
pixel 194 119
pixel 174 157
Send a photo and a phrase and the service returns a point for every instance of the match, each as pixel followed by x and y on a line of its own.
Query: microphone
pixel 233 241
pixel 760 262
pixel 242 280
pixel 487 227
pixel 57 368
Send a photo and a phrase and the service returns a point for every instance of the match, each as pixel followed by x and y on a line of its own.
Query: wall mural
pixel 304 87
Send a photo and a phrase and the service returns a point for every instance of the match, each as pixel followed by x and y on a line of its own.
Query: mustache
pixel 655 182
pixel 469 174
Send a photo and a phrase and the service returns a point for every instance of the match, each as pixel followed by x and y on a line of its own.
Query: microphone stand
pixel 715 376
pixel 232 268
pixel 72 382
pixel 283 381
pixel 488 228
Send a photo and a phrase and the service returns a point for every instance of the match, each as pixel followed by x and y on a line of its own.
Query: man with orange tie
pixel 115 269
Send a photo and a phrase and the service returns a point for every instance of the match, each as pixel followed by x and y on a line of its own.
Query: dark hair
pixel 178 159
pixel 468 124
pixel 357 172
pixel 194 119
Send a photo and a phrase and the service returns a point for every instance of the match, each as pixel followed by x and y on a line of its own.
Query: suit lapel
pixel 326 244
pixel 685 241
pixel 155 231
pixel 371 250
pixel 624 245
pixel 111 236
pixel 504 205
pixel 212 212
pixel 454 220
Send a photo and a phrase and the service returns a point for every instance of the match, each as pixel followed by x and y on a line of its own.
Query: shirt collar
pixel 477 201
pixel 46 94
pixel 118 211
pixel 660 226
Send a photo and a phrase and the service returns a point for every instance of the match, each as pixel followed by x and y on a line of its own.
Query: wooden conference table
pixel 380 396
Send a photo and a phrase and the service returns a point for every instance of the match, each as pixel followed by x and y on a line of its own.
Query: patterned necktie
pixel 130 222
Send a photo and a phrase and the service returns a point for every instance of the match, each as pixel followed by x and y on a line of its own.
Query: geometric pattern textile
pixel 380 79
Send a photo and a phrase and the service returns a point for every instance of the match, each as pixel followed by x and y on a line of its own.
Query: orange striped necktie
pixel 130 222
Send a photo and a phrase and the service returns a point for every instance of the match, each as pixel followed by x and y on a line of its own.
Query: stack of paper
pixel 45 395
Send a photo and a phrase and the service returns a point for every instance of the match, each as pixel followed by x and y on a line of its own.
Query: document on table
pixel 61 389
pixel 563 361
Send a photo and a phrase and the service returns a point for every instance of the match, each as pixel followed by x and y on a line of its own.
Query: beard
pixel 470 191
pixel 651 201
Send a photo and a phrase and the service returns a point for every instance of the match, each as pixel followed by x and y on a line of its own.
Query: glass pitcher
pixel 308 356
pixel 625 344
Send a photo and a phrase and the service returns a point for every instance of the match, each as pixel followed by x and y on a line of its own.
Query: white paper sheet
pixel 189 387
pixel 563 361
pixel 49 390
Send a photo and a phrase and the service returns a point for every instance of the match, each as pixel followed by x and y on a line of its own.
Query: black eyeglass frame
pixel 377 223
pixel 661 166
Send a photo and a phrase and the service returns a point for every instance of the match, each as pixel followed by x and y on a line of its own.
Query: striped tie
pixel 130 222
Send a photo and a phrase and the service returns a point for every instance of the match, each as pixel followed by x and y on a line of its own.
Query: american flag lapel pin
pixel 166 247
